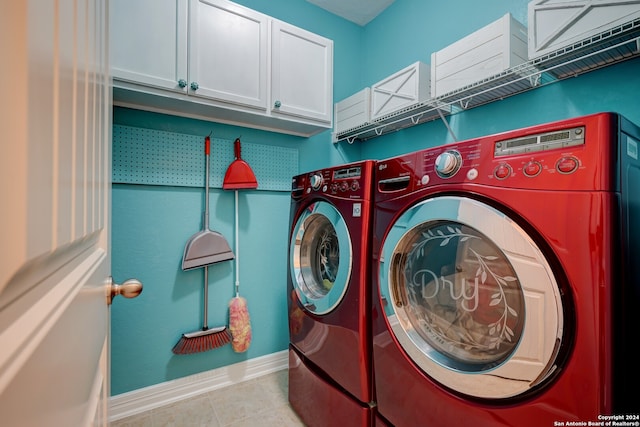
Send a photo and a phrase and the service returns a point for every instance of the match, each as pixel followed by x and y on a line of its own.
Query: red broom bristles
pixel 199 341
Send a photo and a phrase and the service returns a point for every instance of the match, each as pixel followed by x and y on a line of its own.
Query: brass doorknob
pixel 129 289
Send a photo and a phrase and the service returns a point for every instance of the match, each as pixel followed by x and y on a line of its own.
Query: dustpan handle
pixel 236 148
pixel 207 150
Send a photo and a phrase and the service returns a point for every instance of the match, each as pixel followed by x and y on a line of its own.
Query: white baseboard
pixel 143 399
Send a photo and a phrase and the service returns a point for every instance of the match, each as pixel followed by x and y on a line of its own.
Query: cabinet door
pixel 228 53
pixel 149 42
pixel 301 73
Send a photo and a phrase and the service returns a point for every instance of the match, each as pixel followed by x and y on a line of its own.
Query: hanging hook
pixel 534 79
pixel 415 119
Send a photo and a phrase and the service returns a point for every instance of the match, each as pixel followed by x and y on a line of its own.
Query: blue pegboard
pixel 153 157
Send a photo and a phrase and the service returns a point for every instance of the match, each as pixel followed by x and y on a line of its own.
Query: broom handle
pixel 205 325
pixel 207 150
pixel 237 248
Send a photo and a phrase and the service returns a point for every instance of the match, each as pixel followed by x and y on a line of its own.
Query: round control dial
pixel 532 168
pixel 567 165
pixel 316 181
pixel 502 171
pixel 448 163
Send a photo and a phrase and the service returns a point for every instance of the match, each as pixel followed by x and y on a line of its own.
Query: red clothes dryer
pixel 329 291
pixel 505 277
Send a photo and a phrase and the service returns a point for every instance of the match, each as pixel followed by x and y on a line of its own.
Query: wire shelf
pixel 607 48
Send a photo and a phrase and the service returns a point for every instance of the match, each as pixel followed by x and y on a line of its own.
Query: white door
pixel 55 168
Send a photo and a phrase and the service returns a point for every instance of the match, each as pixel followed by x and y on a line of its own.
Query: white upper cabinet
pixel 301 73
pixel 228 53
pixel 149 42
pixel 213 59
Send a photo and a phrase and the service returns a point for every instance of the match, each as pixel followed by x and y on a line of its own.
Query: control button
pixel 324 188
pixel 425 180
pixel 567 165
pixel 334 188
pixel 316 181
pixel 448 163
pixel 357 210
pixel 502 171
pixel 344 186
pixel 532 169
pixel 355 185
pixel 472 174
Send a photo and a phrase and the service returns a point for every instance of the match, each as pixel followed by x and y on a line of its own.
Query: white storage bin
pixel 353 111
pixel 401 90
pixel 482 54
pixel 557 24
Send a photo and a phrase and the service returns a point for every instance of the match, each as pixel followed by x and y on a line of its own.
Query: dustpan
pixel 206 247
pixel 239 174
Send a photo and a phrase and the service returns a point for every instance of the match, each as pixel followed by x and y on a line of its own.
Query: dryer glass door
pixel 474 302
pixel 320 251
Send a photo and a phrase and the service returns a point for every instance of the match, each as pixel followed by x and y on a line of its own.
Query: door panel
pixel 55 187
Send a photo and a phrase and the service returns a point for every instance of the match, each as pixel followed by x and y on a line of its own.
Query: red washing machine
pixel 506 278
pixel 329 293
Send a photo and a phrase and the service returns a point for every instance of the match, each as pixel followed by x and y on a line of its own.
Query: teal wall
pixel 151 224
pixel 423 27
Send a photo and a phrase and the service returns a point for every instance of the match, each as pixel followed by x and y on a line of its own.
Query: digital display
pixel 521 142
pixel 347 173
pixel 555 136
pixel 540 142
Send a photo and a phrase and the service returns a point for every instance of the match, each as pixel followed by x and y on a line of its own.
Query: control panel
pixel 537 160
pixel 345 182
pixel 454 163
pixel 541 142
pixel 536 148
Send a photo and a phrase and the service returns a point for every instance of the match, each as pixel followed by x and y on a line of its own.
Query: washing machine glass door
pixel 320 251
pixel 471 298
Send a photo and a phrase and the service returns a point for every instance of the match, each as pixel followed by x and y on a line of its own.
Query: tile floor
pixel 259 402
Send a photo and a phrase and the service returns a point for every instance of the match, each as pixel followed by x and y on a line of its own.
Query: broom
pixel 205 339
pixel 204 248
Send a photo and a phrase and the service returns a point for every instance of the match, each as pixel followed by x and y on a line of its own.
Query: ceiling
pixel 358 11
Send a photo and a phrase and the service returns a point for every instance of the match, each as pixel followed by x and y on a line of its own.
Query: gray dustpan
pixel 206 247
